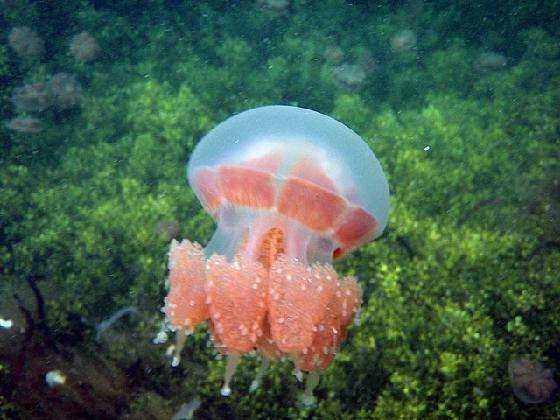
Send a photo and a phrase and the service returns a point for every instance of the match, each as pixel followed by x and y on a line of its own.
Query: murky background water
pixel 101 105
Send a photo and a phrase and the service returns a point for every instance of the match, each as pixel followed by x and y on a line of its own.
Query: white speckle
pixel 54 378
pixel 427 148
pixel 280 320
pixel 6 323
pixel 289 277
pixel 254 286
pixel 191 302
pixel 217 315
pixel 161 337
pixel 319 289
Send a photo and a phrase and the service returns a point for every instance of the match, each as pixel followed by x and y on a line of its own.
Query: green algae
pixel 466 275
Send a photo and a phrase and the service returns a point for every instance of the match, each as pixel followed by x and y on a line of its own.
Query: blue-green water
pixel 102 104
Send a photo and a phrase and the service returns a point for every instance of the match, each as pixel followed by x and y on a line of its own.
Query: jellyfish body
pixel 532 383
pixel 291 190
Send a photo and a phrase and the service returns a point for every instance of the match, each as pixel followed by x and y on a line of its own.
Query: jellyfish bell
pixel 532 383
pixel 297 153
pixel 290 190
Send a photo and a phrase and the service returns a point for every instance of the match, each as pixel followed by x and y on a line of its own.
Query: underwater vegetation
pixel 102 104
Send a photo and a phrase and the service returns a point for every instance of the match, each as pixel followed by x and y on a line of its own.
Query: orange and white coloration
pixel 291 190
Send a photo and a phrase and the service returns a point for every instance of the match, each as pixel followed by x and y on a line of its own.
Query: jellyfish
pixel 291 190
pixel 26 43
pixel 532 383
pixel 84 47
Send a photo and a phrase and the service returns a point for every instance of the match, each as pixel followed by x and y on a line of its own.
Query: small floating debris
pixel 55 378
pixel 6 323
pixel 186 411
pixel 107 323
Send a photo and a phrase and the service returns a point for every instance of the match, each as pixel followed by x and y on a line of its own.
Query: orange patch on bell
pixel 310 204
pixel 356 227
pixel 247 187
pixel 206 183
pixel 314 173
pixel 269 163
